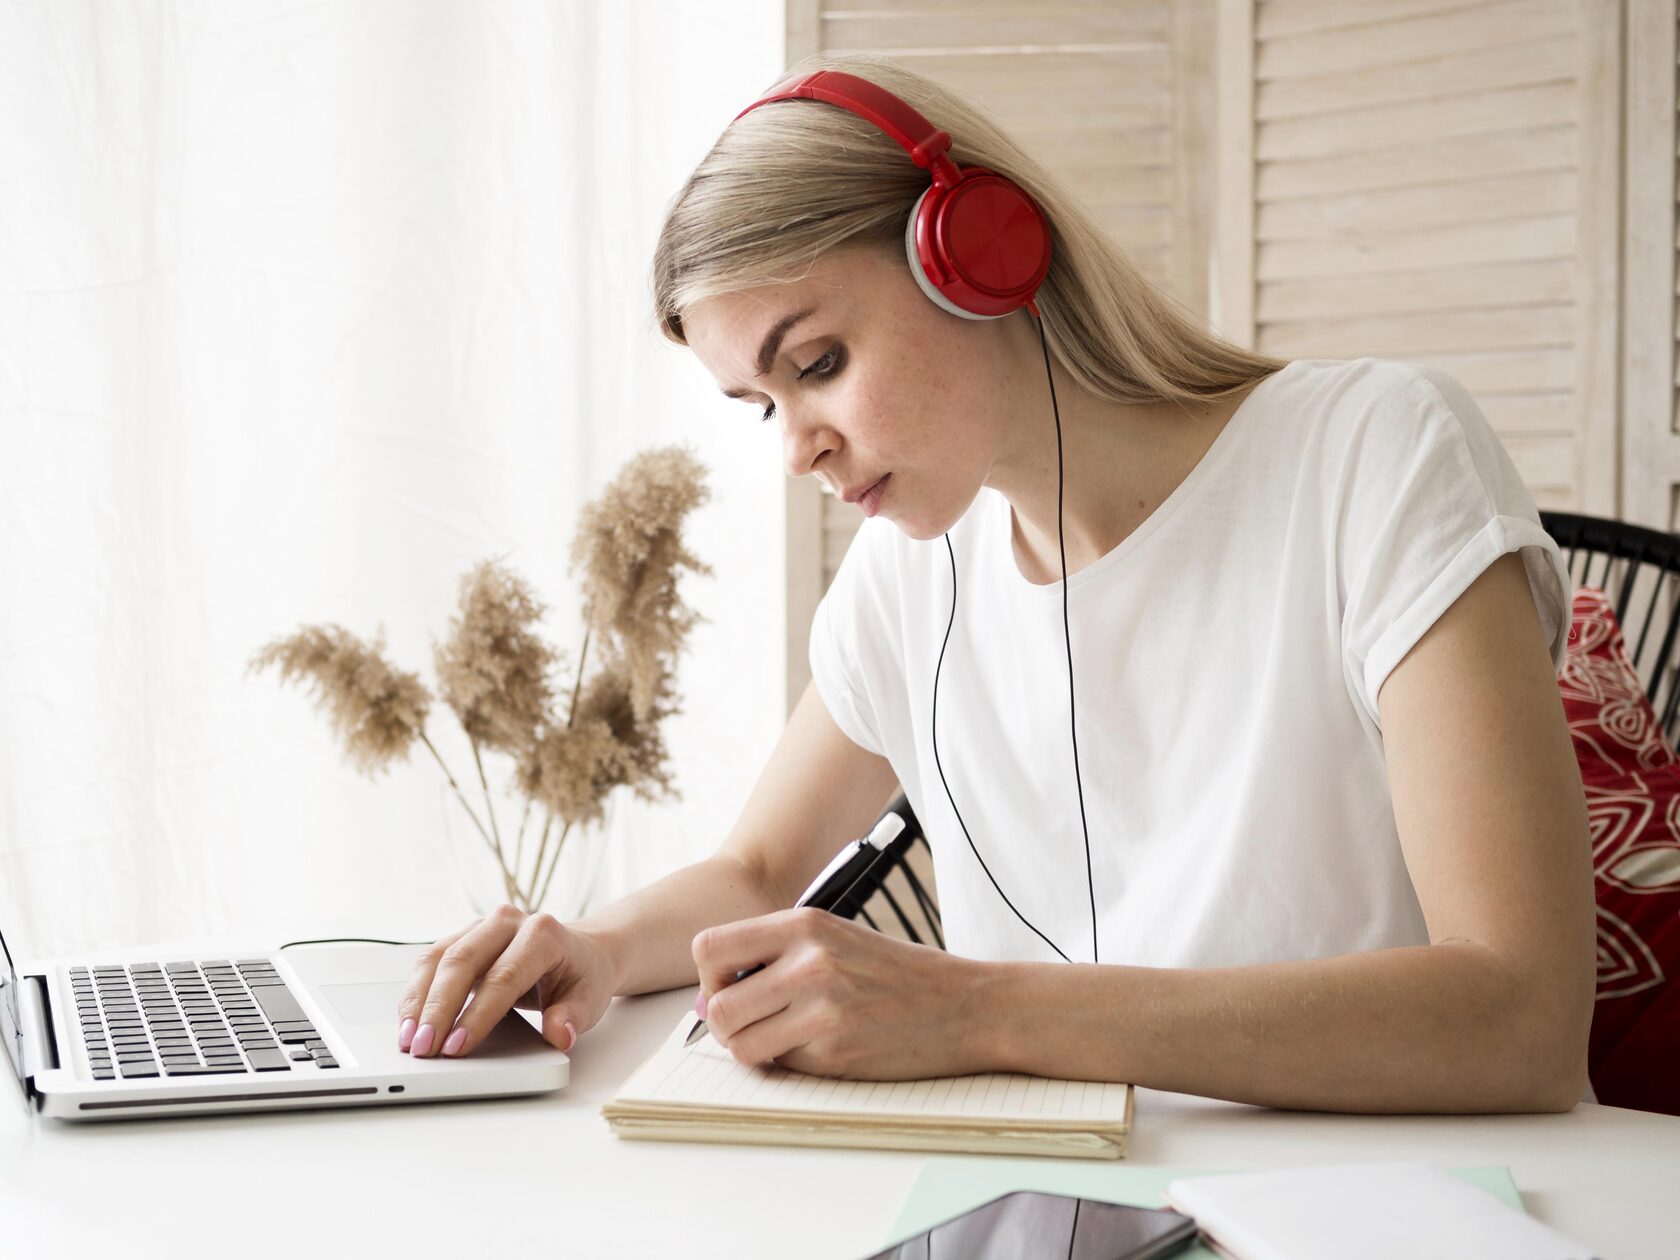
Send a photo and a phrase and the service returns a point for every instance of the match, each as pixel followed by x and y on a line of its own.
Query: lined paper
pixel 706 1075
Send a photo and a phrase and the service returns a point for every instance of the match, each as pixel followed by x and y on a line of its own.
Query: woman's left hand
pixel 837 998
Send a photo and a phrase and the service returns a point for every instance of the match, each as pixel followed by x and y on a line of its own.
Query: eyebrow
pixel 772 343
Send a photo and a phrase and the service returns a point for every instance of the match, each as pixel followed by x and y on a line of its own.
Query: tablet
pixel 1036 1223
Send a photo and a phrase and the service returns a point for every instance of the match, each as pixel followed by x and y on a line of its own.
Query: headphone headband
pixel 925 143
pixel 977 244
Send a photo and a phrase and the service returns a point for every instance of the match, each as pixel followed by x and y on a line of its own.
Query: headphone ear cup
pixel 979 249
pixel 920 267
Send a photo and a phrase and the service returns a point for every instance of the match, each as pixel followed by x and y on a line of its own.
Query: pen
pixel 838 878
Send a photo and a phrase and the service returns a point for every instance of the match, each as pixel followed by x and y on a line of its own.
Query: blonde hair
pixel 791 181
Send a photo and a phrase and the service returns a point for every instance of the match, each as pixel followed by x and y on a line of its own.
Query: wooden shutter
pixel 1435 181
pixel 1651 268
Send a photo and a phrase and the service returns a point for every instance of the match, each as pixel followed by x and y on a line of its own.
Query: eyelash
pixel 830 370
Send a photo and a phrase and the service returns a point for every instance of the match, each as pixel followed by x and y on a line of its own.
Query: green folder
pixel 951 1185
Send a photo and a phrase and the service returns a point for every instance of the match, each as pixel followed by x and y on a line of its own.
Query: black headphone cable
pixel 1090 883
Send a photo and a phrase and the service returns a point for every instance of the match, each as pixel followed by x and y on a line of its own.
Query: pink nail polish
pixel 700 1005
pixel 457 1039
pixel 423 1041
pixel 405 1034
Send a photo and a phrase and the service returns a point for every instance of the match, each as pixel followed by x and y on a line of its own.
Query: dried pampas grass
pixel 607 699
pixel 629 545
pixel 493 669
pixel 497 674
pixel 376 709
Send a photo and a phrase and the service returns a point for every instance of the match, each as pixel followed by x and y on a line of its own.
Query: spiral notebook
pixel 699 1093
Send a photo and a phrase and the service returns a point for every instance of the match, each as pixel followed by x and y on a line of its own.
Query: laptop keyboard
pixel 193 1019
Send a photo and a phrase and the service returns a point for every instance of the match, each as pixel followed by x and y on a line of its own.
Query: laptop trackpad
pixel 359 1004
pixel 370 1004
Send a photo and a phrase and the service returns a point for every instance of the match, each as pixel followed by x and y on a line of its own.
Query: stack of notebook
pixel 701 1094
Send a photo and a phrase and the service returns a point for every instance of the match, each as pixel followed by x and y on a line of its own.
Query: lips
pixel 857 492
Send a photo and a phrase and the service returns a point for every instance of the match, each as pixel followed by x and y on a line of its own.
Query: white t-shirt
pixel 1226 656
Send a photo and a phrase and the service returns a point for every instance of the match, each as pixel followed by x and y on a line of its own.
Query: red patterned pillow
pixel 1631 774
pixel 1614 728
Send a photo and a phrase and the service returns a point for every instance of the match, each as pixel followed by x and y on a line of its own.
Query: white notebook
pixel 1386 1211
pixel 700 1093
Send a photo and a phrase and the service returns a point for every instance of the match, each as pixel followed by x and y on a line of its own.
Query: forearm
pixel 648 934
pixel 1432 1028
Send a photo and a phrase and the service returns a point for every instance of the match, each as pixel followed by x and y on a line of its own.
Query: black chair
pixel 1597 552
pixel 1639 570
pixel 875 891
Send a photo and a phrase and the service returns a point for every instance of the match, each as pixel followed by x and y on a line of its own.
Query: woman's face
pixel 876 381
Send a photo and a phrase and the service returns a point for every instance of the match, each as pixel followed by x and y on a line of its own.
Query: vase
pixel 569 889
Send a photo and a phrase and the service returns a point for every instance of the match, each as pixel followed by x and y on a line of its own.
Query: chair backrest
pixel 896 896
pixel 1639 570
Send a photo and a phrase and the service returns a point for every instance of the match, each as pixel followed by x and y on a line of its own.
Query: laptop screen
pixel 11 1026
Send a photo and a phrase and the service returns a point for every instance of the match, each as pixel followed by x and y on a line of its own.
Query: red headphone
pixel 977 244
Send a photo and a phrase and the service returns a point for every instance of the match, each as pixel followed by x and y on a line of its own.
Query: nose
pixel 804 442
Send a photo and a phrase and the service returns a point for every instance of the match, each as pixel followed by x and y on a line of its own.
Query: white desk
pixel 544 1175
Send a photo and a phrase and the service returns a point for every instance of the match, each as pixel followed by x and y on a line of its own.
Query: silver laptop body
pixel 308 1026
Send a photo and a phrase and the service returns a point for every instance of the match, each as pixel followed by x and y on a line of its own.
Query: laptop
pixel 311 1025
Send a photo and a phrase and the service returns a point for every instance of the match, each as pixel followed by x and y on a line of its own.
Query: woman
pixel 1307 830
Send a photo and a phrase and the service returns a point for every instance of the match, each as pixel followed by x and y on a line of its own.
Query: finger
pixel 559 1026
pixel 726 948
pixel 781 1033
pixel 414 995
pixel 458 970
pixel 506 980
pixel 745 1002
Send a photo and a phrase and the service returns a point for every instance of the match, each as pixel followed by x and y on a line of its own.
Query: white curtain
pixel 304 310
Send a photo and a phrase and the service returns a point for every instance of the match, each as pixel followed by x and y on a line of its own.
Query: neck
pixel 1118 460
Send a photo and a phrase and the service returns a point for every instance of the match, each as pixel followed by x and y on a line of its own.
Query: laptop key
pixel 132 1070
pixel 269 1061
pixel 278 1003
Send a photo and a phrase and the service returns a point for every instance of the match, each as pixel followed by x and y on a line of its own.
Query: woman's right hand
pixel 506 959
